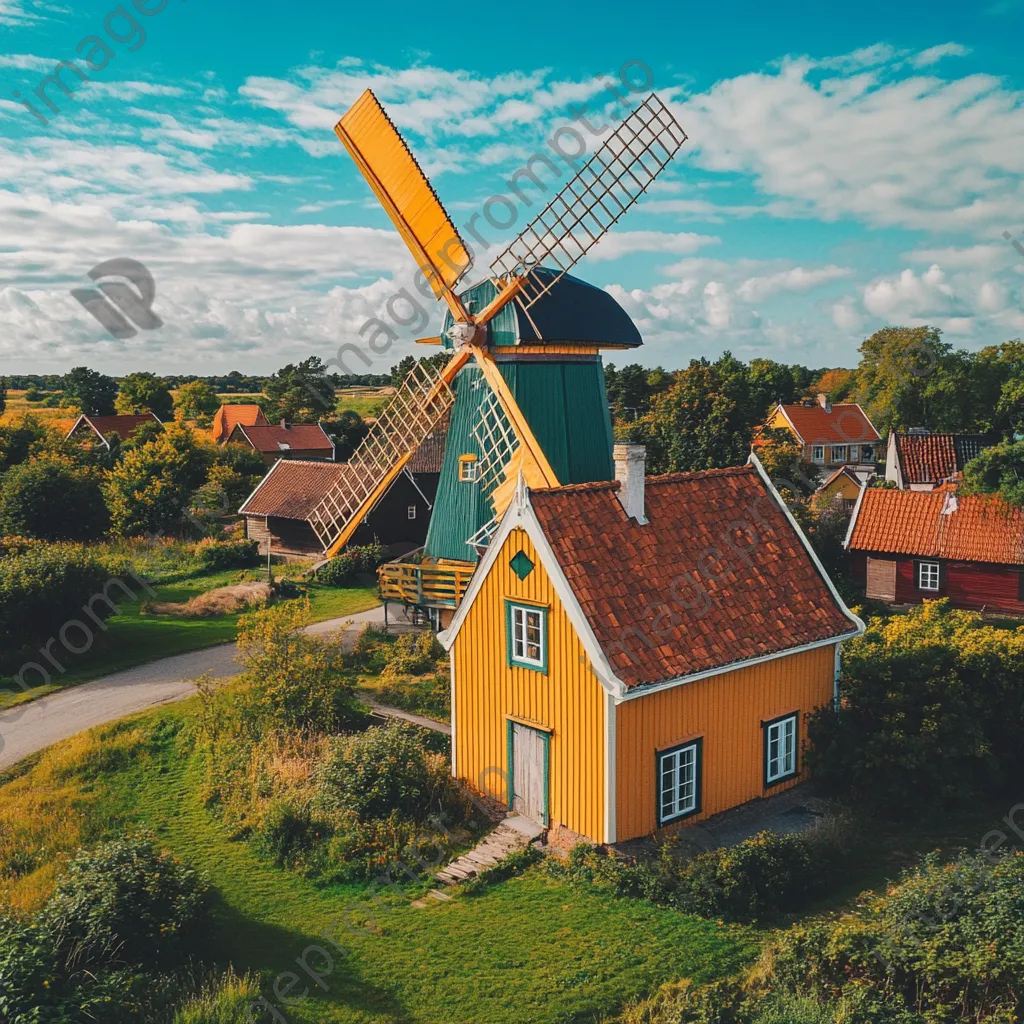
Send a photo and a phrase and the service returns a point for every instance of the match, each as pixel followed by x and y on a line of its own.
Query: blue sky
pixel 847 168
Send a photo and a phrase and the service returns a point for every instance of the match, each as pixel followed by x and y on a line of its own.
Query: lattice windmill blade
pixel 496 438
pixel 391 170
pixel 581 214
pixel 415 410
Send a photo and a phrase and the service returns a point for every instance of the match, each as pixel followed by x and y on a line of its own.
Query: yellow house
pixel 638 653
pixel 830 435
pixel 845 483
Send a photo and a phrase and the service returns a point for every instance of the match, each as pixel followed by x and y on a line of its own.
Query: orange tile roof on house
pixel 227 417
pixel 718 575
pixel 429 456
pixel 105 426
pixel 300 437
pixel 938 524
pixel 932 458
pixel 841 424
pixel 294 487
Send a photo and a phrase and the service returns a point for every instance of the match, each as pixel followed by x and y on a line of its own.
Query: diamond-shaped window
pixel 521 565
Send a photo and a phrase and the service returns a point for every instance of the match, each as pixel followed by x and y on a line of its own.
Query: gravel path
pixel 30 727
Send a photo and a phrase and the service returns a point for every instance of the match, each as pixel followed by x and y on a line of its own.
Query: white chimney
pixel 629 471
pixel 825 402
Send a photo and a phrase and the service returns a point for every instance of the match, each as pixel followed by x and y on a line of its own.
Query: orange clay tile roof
pixel 227 416
pixel 300 437
pixel 429 456
pixel 120 425
pixel 845 424
pixel 932 458
pixel 293 488
pixel 977 528
pixel 718 575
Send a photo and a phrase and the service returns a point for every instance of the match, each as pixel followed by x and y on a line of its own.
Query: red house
pixel 906 546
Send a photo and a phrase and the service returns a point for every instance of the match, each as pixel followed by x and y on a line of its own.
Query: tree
pixel 144 392
pixel 92 392
pixel 997 470
pixel 401 370
pixel 17 440
pixel 346 430
pixel 910 377
pixel 3 395
pixel 778 451
pixel 52 498
pixel 837 384
pixel 150 488
pixel 771 383
pixel 705 420
pixel 195 400
pixel 300 393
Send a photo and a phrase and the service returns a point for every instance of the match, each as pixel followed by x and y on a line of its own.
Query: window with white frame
pixel 410 512
pixel 839 452
pixel 927 575
pixel 527 636
pixel 678 782
pixel 469 469
pixel 779 749
pixel 817 453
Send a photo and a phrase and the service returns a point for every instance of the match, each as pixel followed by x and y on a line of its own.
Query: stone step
pixel 438 895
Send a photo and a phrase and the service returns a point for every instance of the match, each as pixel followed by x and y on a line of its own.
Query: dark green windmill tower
pixel 524 389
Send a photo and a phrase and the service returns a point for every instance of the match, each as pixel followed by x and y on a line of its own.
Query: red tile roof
pixel 293 488
pixel 123 426
pixel 932 458
pixel 301 437
pixel 228 416
pixel 429 456
pixel 975 528
pixel 844 424
pixel 717 576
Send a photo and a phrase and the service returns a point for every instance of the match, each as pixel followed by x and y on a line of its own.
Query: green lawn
pixel 527 951
pixel 134 639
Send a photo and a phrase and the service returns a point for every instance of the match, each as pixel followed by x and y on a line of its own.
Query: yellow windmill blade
pixel 405 193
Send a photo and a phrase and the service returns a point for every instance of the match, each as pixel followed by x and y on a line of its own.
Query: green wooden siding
pixel 565 404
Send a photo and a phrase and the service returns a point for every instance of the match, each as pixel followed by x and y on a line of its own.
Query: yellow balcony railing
pixel 439 584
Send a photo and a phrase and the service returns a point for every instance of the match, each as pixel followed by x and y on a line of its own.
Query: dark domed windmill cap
pixel 571 313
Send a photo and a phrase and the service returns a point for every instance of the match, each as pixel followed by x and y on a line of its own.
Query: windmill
pixel 524 386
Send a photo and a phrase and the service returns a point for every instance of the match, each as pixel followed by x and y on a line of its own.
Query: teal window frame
pixel 510 775
pixel 697 746
pixel 777 725
pixel 540 665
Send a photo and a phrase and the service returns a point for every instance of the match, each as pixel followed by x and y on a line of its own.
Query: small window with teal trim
pixel 527 628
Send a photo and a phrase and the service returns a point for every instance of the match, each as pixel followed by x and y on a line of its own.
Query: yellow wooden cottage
pixel 638 653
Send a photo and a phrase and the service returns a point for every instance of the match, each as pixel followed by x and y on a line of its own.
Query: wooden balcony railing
pixel 440 584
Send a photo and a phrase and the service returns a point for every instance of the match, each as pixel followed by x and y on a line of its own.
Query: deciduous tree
pixel 144 392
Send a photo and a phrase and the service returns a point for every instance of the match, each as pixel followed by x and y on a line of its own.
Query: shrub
pixel 43 587
pixel 932 713
pixel 125 901
pixel 292 680
pixel 412 654
pixel 227 554
pixel 30 986
pixel 53 499
pixel 341 570
pixel 285 834
pixel 376 772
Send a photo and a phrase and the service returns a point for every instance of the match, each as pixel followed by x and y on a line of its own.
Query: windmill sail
pixel 414 411
pixel 608 185
pixel 408 198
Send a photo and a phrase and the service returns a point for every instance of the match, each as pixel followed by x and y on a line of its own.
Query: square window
pixel 678 782
pixel 469 469
pixel 410 512
pixel 527 636
pixel 818 453
pixel 839 453
pixel 927 575
pixel 780 737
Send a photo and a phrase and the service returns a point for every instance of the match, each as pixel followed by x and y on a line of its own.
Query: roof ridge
pixel 594 485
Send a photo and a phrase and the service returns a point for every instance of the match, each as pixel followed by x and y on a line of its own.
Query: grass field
pixel 528 951
pixel 135 639
pixel 17 409
pixel 362 400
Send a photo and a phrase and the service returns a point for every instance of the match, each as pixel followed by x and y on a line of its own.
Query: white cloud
pixel 796 279
pixel 911 151
pixel 935 53
pixel 617 244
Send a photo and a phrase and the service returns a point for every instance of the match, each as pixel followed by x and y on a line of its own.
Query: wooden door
pixel 529 772
pixel 881 579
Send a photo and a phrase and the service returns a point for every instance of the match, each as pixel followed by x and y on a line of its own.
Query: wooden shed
pixel 635 654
